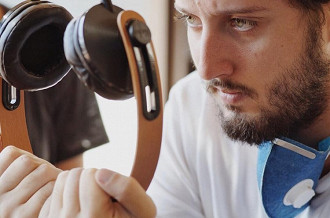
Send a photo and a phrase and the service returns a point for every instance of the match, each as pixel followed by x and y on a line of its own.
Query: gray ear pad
pixel 31 46
pixel 69 50
pixel 94 49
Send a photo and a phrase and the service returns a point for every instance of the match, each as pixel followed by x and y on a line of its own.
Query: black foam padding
pixel 97 44
pixel 31 47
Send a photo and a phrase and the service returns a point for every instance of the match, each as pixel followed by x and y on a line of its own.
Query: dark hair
pixel 309 5
pixel 313 9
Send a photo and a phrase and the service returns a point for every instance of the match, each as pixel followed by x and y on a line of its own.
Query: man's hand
pixel 25 183
pixel 79 193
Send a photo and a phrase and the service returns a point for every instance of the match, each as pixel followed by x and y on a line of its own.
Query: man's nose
pixel 214 58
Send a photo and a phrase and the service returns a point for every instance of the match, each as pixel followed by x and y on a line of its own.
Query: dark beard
pixel 296 99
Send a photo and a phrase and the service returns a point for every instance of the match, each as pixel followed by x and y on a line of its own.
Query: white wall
pixel 120 116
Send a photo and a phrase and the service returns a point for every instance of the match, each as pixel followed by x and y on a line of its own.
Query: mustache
pixel 213 84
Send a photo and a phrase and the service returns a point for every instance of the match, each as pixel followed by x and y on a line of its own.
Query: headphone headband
pixel 149 119
pixel 108 5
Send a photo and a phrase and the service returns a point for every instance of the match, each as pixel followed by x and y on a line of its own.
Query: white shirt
pixel 203 173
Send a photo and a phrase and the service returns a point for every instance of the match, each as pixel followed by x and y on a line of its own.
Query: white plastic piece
pixel 13 95
pixel 294 148
pixel 148 98
pixel 300 194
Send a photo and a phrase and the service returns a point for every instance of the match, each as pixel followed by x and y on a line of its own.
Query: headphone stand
pixel 13 128
pixel 149 130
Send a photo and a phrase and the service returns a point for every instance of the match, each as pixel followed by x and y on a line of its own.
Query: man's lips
pixel 230 97
pixel 230 93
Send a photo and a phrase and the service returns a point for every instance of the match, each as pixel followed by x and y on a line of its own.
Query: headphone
pixel 109 49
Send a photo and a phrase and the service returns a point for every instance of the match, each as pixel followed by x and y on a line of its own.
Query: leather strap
pixel 13 128
pixel 149 130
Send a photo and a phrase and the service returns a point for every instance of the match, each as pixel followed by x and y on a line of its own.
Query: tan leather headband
pixel 149 131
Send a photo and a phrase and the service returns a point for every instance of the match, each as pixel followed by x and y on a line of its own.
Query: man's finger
pixel 37 179
pixel 127 191
pixel 16 172
pixel 8 155
pixel 71 191
pixel 38 200
pixel 57 194
pixel 45 210
pixel 92 197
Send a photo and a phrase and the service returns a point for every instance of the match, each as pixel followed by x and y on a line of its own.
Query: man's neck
pixel 315 133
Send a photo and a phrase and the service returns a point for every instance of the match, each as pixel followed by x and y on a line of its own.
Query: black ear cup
pixel 31 45
pixel 94 48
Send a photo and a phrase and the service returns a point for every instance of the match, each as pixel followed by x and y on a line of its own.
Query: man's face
pixel 263 63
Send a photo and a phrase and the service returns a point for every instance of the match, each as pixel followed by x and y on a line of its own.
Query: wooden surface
pixel 13 126
pixel 149 131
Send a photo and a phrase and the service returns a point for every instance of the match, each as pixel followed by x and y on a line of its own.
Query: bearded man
pixel 247 134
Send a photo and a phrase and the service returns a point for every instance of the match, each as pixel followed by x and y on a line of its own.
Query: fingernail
pixel 103 175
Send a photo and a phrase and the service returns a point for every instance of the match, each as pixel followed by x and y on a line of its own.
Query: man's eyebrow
pixel 244 10
pixel 247 10
pixel 179 9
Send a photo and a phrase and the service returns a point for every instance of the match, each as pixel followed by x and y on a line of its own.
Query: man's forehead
pixel 219 6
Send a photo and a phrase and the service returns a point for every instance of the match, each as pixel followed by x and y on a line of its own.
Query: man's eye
pixel 192 21
pixel 243 24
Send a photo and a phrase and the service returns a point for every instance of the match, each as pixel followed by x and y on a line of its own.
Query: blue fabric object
pixel 279 169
